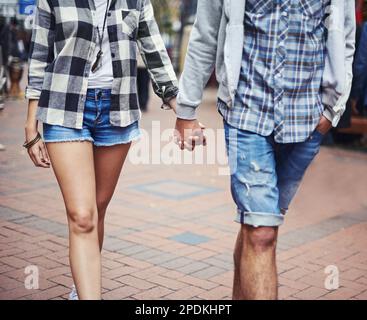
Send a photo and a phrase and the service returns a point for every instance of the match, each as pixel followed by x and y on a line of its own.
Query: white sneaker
pixel 73 295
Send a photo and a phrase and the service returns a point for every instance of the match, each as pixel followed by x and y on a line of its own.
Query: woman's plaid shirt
pixel 63 42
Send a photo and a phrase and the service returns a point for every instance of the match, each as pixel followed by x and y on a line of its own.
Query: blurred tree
pixel 163 14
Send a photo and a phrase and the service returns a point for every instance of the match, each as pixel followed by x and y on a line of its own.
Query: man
pixel 284 69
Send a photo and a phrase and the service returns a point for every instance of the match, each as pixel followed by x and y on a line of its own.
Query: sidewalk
pixel 170 230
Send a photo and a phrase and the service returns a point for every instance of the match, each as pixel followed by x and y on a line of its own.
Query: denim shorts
pixel 96 124
pixel 265 175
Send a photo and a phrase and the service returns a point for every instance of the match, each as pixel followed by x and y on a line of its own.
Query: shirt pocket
pixel 130 23
pixel 259 7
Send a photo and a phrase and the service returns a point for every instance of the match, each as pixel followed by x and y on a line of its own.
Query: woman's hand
pixel 38 152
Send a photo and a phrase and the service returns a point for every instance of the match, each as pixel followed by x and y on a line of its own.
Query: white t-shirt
pixel 103 77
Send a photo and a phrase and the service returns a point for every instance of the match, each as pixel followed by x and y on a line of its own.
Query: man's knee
pixel 260 239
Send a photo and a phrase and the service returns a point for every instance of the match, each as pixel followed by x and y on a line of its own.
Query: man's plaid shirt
pixel 63 42
pixel 279 90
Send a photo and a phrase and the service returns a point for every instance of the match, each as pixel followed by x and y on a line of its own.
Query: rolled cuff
pixel 332 116
pixel 186 112
pixel 260 219
pixel 32 93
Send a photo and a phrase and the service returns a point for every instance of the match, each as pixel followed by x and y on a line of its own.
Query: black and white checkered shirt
pixel 63 42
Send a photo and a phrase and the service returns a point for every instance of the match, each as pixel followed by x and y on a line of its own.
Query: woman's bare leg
pixel 108 162
pixel 73 164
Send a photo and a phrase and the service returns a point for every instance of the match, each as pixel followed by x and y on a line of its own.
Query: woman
pixel 82 86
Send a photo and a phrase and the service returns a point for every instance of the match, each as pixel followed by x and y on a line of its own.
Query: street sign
pixel 12 8
pixel 24 6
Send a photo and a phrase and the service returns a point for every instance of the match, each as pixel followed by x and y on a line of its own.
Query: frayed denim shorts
pixel 96 124
pixel 265 175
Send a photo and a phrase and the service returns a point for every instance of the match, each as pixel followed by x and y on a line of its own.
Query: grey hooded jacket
pixel 217 42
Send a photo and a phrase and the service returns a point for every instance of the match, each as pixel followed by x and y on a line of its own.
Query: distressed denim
pixel 265 175
pixel 96 124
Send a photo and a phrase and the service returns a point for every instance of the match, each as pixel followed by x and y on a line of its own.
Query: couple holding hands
pixel 284 69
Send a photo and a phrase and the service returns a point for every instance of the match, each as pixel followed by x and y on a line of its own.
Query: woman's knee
pixel 82 220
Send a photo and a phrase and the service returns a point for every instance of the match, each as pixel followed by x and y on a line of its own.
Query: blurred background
pixel 175 18
pixel 170 230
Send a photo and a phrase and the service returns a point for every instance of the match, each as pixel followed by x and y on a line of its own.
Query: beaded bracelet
pixel 29 144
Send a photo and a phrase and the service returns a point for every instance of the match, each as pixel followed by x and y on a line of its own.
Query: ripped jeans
pixel 265 175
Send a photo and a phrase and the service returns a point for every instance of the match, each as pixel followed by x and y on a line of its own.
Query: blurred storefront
pixel 16 8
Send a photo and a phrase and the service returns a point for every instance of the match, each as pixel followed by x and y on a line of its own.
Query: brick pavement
pixel 170 229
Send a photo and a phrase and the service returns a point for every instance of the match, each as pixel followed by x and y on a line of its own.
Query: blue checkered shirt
pixel 279 90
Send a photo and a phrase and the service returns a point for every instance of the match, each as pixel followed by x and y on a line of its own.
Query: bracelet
pixel 31 143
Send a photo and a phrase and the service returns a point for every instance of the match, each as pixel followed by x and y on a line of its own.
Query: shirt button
pixel 113 55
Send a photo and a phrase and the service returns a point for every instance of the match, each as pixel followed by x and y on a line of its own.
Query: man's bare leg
pixel 255 275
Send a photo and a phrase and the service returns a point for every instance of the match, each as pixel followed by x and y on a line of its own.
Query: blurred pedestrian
pixel 2 81
pixel 359 90
pixel 336 135
pixel 13 49
pixel 2 91
pixel 82 86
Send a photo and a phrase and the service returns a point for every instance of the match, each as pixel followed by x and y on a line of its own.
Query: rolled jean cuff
pixel 259 219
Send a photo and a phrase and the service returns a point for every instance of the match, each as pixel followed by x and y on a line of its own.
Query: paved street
pixel 170 230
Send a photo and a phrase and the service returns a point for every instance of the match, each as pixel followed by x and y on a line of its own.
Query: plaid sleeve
pixel 154 53
pixel 41 49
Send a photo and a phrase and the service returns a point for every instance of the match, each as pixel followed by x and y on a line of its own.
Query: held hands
pixel 189 133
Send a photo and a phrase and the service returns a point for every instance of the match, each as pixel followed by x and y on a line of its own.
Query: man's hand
pixel 324 125
pixel 189 133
